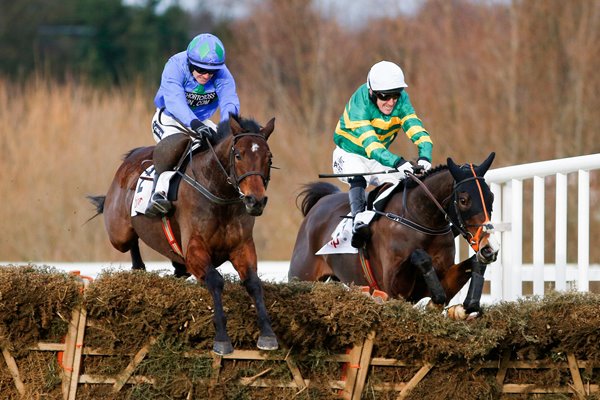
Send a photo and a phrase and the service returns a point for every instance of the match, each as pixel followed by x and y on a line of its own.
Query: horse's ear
pixel 234 124
pixel 268 129
pixel 454 169
pixel 451 164
pixel 482 169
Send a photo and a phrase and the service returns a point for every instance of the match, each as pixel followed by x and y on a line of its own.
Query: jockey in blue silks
pixel 194 84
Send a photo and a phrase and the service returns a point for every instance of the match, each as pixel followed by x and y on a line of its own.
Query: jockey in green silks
pixel 371 121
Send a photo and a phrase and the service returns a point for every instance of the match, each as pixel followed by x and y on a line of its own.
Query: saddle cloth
pixel 143 189
pixel 342 234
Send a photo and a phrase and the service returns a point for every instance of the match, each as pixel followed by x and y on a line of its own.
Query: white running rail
pixel 507 275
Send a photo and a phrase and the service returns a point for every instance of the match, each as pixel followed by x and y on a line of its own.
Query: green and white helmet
pixel 386 77
pixel 206 51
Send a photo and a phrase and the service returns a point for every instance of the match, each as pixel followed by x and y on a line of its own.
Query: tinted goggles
pixel 202 71
pixel 386 96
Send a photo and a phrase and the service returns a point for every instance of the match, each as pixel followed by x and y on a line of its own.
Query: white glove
pixel 404 168
pixel 424 163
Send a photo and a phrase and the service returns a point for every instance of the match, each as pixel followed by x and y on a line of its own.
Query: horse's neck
pixel 420 204
pixel 211 167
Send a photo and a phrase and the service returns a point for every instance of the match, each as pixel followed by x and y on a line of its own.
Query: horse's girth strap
pixel 168 231
pixel 367 270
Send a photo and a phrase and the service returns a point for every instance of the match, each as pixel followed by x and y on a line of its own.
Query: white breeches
pixel 349 163
pixel 167 126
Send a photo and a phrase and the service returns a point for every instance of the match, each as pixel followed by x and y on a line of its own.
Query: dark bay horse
pixel 223 189
pixel 411 251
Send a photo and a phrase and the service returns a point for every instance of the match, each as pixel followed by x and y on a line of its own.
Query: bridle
pixel 231 177
pixel 462 226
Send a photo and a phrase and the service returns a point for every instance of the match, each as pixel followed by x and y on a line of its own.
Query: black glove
pixel 202 130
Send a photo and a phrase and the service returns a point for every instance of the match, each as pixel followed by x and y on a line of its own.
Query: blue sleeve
pixel 172 86
pixel 228 98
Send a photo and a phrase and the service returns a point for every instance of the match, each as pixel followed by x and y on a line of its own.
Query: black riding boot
pixel 361 232
pixel 159 205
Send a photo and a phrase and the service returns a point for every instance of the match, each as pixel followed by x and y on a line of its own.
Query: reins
pixel 411 224
pixel 461 226
pixel 231 177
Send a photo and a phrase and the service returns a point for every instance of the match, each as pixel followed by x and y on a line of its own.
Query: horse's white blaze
pixel 255 147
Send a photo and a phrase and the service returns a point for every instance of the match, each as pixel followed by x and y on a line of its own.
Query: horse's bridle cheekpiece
pixel 473 240
pixel 236 180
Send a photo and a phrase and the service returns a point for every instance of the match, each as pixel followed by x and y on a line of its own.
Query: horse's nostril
pixel 487 254
pixel 249 201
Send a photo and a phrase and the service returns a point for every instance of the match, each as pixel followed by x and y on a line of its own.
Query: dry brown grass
pixel 62 142
pixel 59 144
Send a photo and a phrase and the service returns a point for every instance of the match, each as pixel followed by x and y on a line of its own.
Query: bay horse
pixel 411 251
pixel 223 189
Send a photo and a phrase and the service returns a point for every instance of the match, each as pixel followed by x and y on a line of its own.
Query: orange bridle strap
pixel 474 241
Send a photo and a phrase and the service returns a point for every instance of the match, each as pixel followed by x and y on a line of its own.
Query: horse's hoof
pixel 473 316
pixel 267 343
pixel 456 312
pixel 222 348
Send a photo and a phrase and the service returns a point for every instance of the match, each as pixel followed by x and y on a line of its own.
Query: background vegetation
pixel 77 80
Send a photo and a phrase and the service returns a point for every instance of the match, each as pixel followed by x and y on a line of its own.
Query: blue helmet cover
pixel 206 51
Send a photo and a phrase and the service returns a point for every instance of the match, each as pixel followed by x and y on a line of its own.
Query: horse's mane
pixel 404 183
pixel 409 183
pixel 224 129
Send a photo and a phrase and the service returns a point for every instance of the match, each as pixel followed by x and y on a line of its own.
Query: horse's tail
pixel 312 193
pixel 98 202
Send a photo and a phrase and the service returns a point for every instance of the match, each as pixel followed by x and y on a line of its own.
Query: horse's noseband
pixel 233 178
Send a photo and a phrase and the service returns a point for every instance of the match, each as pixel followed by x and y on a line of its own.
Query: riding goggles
pixel 386 96
pixel 202 71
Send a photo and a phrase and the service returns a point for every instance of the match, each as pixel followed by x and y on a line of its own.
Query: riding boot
pixel 361 232
pixel 159 205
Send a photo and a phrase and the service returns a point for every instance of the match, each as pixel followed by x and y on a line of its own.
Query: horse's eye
pixel 464 200
pixel 238 156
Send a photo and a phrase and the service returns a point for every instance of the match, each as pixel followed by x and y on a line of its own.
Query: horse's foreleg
pixel 422 260
pixel 267 339
pixel 215 283
pixel 244 261
pixel 180 270
pixel 457 276
pixel 136 257
pixel 471 303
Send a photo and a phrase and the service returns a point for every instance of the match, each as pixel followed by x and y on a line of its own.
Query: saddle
pixel 378 198
pixel 342 234
pixel 173 153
